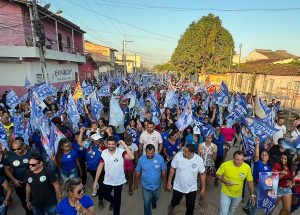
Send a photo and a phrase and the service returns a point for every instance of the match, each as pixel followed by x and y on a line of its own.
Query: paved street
pixel 133 205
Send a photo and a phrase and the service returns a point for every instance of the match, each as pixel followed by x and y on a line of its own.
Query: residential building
pixel 269 55
pixel 100 59
pixel 133 62
pixel 19 55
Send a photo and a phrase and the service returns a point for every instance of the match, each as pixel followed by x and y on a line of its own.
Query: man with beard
pixel 114 178
pixel 152 167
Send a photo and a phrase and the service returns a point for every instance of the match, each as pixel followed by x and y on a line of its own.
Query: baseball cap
pixel 196 130
pixel 96 136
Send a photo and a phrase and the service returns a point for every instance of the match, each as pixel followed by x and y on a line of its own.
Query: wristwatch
pixel 252 195
pixel 27 200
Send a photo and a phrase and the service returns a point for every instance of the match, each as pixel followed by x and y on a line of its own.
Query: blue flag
pixel 259 128
pixel 3 135
pixel 12 99
pixel 80 107
pixel 171 99
pixel 43 91
pixel 72 110
pixel 235 116
pixel 186 118
pixel 223 97
pixel 248 142
pixel 267 191
pixel 104 90
pixel 292 144
pixel 53 90
pixel 205 128
pixel 55 136
pixel 116 115
pixel 87 88
pixel 24 97
pixel 27 83
pixel 96 106
pixel 46 143
pixel 36 114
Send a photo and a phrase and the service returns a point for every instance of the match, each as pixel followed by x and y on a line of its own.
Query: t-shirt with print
pixel 187 172
pixel 68 161
pixel 114 167
pixel 18 164
pixel 42 190
pixel 236 175
pixel 64 207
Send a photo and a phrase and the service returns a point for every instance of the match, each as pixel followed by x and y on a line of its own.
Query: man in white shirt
pixel 282 131
pixel 113 162
pixel 188 165
pixel 150 136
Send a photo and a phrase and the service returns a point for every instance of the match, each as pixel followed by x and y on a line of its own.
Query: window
pixel 68 42
pixel 39 78
pixel 60 44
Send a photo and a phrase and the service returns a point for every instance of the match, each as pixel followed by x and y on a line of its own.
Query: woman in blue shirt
pixel 195 138
pixel 93 148
pixel 171 147
pixel 66 160
pixel 261 164
pixel 76 202
pixel 81 157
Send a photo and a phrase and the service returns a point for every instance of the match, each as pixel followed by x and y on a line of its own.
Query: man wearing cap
pixel 195 138
pixel 150 136
pixel 188 166
pixel 42 187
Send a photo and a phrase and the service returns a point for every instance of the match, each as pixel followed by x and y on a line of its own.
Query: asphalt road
pixel 133 205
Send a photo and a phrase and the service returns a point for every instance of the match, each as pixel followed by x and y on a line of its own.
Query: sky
pixel 154 27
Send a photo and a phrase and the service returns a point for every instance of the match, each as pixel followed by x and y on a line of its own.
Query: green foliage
pixel 164 67
pixel 205 46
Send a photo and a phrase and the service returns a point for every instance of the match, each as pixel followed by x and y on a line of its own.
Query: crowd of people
pixel 147 149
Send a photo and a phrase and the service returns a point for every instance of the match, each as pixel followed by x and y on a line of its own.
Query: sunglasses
pixel 33 164
pixel 82 190
pixel 18 149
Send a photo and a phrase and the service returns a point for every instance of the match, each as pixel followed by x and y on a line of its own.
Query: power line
pixel 171 8
pixel 125 23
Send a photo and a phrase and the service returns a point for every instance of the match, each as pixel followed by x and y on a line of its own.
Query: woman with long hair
pixel 76 202
pixel 171 147
pixel 261 164
pixel 284 192
pixel 66 160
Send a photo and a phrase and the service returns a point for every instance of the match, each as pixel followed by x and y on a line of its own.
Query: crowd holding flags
pixel 89 97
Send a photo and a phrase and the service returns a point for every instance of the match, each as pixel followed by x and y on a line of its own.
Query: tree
pixel 164 67
pixel 205 46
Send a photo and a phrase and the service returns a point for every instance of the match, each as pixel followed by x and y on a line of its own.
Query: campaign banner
pixel 267 191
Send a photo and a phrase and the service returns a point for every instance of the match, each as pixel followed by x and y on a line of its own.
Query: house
pixel 62 45
pixel 133 62
pixel 268 80
pixel 269 55
pixel 100 59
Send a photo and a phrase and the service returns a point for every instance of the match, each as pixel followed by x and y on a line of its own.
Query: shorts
pixel 129 165
pixel 227 144
pixel 210 170
pixel 284 191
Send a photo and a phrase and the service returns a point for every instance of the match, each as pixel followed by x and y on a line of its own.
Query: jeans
pixel 50 210
pixel 150 197
pixel 253 209
pixel 69 174
pixel 228 204
pixel 114 200
pixel 190 200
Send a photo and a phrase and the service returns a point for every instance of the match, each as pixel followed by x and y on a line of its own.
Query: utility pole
pixel 230 60
pixel 134 62
pixel 125 42
pixel 240 56
pixel 39 38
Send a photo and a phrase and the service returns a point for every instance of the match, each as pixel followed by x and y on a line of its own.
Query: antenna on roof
pixel 47 6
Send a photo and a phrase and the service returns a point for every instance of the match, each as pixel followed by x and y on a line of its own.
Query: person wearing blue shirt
pixel 94 149
pixel 81 157
pixel 76 202
pixel 152 167
pixel 66 160
pixel 219 140
pixel 196 138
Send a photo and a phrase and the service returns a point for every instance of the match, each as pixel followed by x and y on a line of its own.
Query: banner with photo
pixel 267 191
